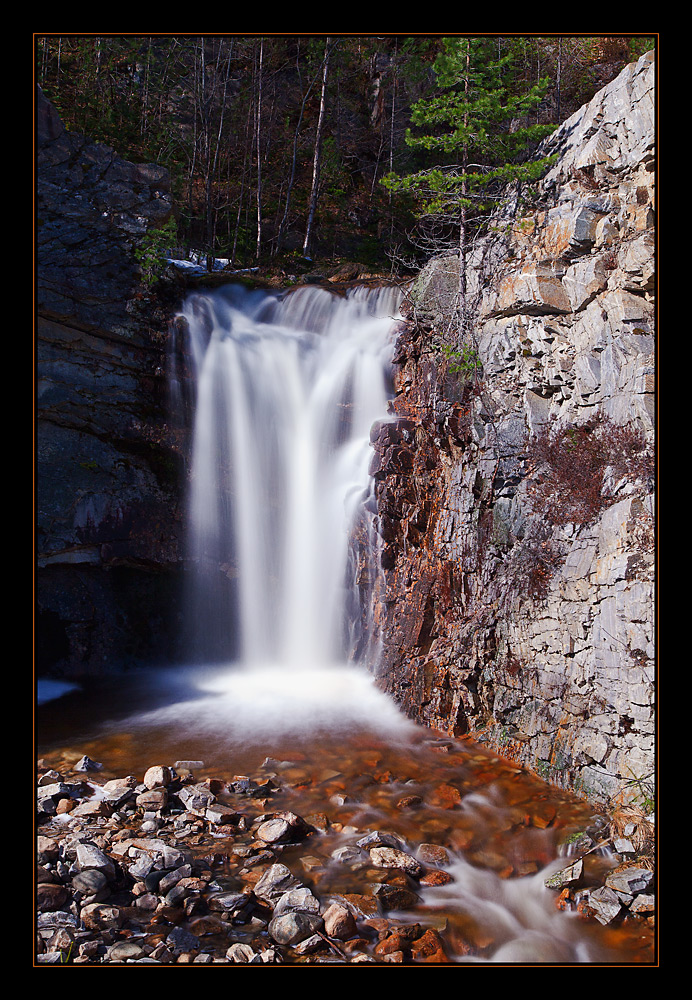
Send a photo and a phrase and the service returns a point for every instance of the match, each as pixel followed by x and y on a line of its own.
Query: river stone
pixel 294 926
pixel 119 791
pixel 153 877
pixel 90 882
pixel 277 880
pixel 222 815
pixel 171 878
pixel 49 922
pixel 93 807
pixel 157 776
pixel 428 948
pixel 228 902
pixel 389 857
pixel 181 940
pixel 62 940
pixel 87 764
pixel 364 906
pixel 55 791
pixel 378 839
pixel 241 953
pixel 116 786
pixel 622 845
pixel 274 831
pixel 49 777
pixel 196 798
pixel 47 849
pixel 433 854
pixel 297 899
pixel 605 904
pixel 153 799
pixel 394 897
pixel 339 922
pixel 91 857
pixel 176 896
pixel 565 876
pixel 157 851
pixel 347 855
pixel 50 896
pixel 147 901
pixel 123 951
pixel 436 876
pixel 310 944
pixel 630 880
pixel 643 903
pixel 48 874
pixel 100 916
pixel 50 958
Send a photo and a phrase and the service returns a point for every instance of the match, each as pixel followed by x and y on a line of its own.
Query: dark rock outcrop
pixel 108 471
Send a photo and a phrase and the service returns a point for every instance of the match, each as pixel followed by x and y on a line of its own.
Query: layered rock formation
pixel 108 518
pixel 514 501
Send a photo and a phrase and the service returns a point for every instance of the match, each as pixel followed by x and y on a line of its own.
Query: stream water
pixel 287 388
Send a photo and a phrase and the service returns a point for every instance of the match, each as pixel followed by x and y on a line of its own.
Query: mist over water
pixel 266 705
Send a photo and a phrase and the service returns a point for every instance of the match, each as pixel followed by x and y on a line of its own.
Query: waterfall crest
pixel 287 387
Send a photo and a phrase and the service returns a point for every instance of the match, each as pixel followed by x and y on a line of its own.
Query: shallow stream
pixel 349 763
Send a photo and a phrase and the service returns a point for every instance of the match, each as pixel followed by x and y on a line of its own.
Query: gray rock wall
pixel 531 625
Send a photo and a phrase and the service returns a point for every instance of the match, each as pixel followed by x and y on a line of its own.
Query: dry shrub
pixel 531 565
pixel 576 467
pixel 642 837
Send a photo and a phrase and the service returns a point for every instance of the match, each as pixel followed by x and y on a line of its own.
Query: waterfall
pixel 287 388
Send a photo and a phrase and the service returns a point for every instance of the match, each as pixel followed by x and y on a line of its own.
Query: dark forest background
pixel 277 145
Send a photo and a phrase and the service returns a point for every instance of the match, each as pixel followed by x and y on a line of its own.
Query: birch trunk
pixel 318 152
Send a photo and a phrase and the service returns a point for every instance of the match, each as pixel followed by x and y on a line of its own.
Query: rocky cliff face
pixel 108 524
pixel 515 506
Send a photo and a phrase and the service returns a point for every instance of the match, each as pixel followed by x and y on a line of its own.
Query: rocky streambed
pixel 435 854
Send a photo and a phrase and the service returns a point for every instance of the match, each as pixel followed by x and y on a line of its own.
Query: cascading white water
pixel 288 387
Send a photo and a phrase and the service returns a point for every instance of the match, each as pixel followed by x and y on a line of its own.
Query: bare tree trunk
pixel 559 74
pixel 463 221
pixel 391 144
pixel 212 174
pixel 289 190
pixel 259 150
pixel 246 157
pixel 317 157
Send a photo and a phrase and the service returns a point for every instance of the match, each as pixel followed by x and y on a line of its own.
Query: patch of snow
pixel 48 690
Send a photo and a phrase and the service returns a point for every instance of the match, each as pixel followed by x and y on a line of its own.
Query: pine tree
pixel 481 131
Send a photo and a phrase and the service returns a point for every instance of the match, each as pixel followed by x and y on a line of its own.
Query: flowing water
pixel 286 390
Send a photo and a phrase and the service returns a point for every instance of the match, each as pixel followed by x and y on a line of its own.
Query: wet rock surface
pixel 303 863
pixel 108 463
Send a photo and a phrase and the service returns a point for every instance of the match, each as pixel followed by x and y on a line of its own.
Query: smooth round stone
pixel 90 881
pixel 157 776
pixel 124 951
pixel 301 899
pixel 290 928
pixel 274 831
